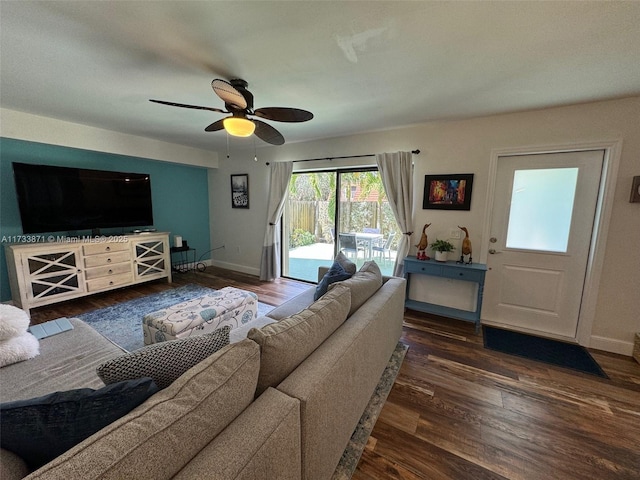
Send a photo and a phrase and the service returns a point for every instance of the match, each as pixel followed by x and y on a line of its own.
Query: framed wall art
pixel 447 192
pixel 240 191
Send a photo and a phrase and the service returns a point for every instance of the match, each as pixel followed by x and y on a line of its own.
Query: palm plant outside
pixel 357 212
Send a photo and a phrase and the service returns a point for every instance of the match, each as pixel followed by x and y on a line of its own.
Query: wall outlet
pixel 455 233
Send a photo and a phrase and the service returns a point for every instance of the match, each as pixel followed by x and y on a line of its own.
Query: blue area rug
pixel 122 323
pixel 554 352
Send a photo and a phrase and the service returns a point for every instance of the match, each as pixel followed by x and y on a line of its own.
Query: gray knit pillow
pixel 165 361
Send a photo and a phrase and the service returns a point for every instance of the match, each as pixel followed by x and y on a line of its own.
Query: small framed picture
pixel 447 192
pixel 240 191
pixel 635 190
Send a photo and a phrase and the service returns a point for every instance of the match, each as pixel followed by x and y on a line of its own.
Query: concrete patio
pixel 304 261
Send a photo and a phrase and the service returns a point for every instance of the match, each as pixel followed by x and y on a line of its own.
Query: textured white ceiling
pixel 358 66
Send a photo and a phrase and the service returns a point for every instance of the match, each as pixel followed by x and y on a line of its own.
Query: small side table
pixel 183 260
pixel 474 272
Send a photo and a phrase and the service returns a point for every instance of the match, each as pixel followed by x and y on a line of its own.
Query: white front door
pixel 541 230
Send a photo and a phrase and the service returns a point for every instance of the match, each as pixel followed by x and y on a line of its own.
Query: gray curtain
pixel 396 170
pixel 278 189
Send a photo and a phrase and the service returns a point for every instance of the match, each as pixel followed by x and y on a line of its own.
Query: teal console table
pixel 458 271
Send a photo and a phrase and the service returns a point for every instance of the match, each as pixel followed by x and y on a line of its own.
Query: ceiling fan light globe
pixel 239 127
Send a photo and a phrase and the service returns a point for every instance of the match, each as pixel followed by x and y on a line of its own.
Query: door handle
pixel 493 251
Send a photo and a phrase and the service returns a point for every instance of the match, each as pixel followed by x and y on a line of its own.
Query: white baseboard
pixel 611 345
pixel 237 268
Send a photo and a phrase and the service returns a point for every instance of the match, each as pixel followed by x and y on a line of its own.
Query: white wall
pixel 465 147
pixel 35 128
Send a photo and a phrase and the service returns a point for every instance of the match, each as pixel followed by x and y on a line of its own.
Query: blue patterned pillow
pixel 41 429
pixel 335 274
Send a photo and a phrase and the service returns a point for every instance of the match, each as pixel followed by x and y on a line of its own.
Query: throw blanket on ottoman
pixel 227 306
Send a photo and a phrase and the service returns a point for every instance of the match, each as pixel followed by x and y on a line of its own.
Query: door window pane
pixel 541 209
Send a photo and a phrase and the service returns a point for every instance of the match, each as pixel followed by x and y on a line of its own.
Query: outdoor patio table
pixel 368 239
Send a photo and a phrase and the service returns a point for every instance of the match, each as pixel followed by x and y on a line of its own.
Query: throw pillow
pixel 164 361
pixel 363 284
pixel 19 348
pixel 286 343
pixel 335 274
pixel 40 429
pixel 347 264
pixel 13 321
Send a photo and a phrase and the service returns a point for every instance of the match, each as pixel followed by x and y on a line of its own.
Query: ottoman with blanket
pixel 227 306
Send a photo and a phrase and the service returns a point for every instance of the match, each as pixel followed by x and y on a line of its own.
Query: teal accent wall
pixel 180 193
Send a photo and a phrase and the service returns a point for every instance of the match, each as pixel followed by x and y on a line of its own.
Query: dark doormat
pixel 554 352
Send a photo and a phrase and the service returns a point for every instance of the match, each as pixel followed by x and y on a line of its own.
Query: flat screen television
pixel 57 199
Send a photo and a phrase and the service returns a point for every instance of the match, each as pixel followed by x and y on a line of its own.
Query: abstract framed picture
pixel 240 191
pixel 447 192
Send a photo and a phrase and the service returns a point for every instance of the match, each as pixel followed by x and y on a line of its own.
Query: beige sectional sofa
pixel 280 404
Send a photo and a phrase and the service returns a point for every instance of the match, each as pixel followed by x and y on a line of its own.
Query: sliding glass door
pixel 337 210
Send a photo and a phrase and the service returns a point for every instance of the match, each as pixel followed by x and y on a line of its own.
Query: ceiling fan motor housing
pixel 241 86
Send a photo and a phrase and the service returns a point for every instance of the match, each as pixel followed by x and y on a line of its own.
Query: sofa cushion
pixel 67 361
pixel 165 361
pixel 157 439
pixel 240 333
pixel 347 264
pixel 12 467
pixel 263 443
pixel 364 283
pixel 336 273
pixel 285 344
pixel 295 305
pixel 40 429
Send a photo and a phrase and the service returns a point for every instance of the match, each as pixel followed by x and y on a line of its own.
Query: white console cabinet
pixel 45 273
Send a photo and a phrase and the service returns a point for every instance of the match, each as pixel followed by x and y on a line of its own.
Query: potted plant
pixel 442 247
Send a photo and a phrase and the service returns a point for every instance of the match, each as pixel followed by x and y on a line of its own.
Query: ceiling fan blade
pixel 284 114
pixel 228 93
pixel 196 107
pixel 215 126
pixel 266 132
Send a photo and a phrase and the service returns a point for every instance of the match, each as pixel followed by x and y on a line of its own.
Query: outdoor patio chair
pixel 348 243
pixel 384 247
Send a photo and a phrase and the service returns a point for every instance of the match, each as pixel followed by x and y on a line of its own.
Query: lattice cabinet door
pixel 52 275
pixel 151 258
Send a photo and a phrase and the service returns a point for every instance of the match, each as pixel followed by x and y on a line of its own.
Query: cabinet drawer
pixel 466 275
pixel 97 248
pixel 108 282
pixel 107 270
pixel 106 259
pixel 424 268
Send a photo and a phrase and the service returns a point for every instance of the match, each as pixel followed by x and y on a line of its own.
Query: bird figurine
pixel 423 244
pixel 466 250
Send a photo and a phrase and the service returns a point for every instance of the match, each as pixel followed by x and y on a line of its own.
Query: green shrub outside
pixel 300 238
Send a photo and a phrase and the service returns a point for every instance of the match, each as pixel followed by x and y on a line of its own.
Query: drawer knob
pixel 461 274
pixel 108 249
pixel 108 260
pixel 111 282
pixel 110 271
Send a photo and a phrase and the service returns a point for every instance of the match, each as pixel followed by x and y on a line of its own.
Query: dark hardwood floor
pixel 459 411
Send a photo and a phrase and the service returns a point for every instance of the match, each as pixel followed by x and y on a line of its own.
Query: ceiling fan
pixel 238 101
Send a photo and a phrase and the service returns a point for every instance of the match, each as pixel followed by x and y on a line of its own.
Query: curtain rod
pixel 415 152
